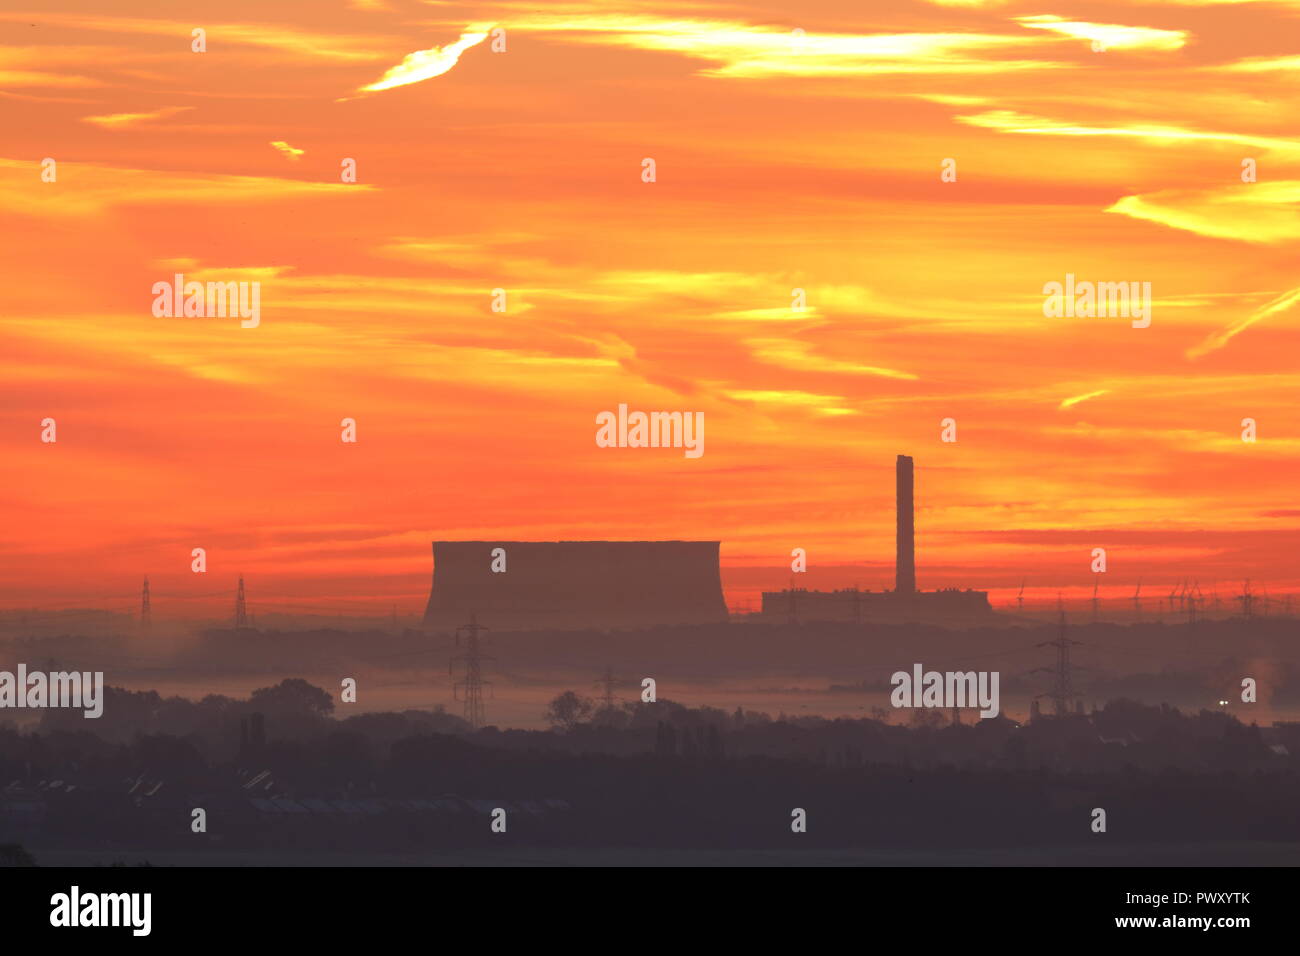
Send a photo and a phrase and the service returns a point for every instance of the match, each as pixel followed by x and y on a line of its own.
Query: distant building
pixel 851 604
pixel 571 585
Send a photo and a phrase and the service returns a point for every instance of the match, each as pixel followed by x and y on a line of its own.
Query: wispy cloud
pixel 124 120
pixel 1266 212
pixel 1071 402
pixel 42 78
pixel 426 64
pixel 100 187
pixel 822 404
pixel 1219 339
pixel 1110 36
pixel 740 50
pixel 287 40
pixel 799 355
pixel 289 152
pixel 1260 64
pixel 1009 121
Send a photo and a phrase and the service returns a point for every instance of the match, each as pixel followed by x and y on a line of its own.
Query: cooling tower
pixel 575 584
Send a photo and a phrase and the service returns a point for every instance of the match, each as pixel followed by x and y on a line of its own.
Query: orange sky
pixel 783 161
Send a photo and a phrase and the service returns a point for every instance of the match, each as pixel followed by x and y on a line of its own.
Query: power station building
pixel 905 602
pixel 571 585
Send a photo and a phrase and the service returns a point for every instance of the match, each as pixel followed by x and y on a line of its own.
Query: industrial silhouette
pixel 575 584
pixel 905 602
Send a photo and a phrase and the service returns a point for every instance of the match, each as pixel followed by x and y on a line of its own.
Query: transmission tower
pixel 473 683
pixel 608 701
pixel 1062 691
pixel 241 606
pixel 1137 601
pixel 146 613
pixel 1096 604
pixel 1020 600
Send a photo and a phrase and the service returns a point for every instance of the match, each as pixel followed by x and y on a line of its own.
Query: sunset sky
pixel 1105 140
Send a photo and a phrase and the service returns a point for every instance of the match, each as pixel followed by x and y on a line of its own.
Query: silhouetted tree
pixel 293 696
pixel 568 710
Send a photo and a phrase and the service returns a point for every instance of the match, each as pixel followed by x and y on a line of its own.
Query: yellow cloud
pixel 1009 121
pixel 745 51
pixel 1219 339
pixel 39 78
pixel 770 315
pixel 1109 36
pixel 123 120
pixel 1071 402
pixel 426 64
pixel 1260 64
pixel 1249 212
pixel 822 404
pixel 289 152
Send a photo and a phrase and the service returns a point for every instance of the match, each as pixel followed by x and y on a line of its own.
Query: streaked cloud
pixel 1110 36
pixel 305 43
pixel 1282 303
pixel 42 78
pixel 1261 212
pixel 739 50
pixel 1009 121
pixel 1071 402
pixel 87 189
pixel 1261 64
pixel 799 355
pixel 426 64
pixel 822 404
pixel 124 120
pixel 289 152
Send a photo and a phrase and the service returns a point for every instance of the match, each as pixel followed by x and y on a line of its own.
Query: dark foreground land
pixel 279 781
pixel 1137 855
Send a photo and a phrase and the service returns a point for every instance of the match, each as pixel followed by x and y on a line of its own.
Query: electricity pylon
pixel 473 682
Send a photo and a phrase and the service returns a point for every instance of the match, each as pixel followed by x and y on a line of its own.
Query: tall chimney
pixel 905 560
